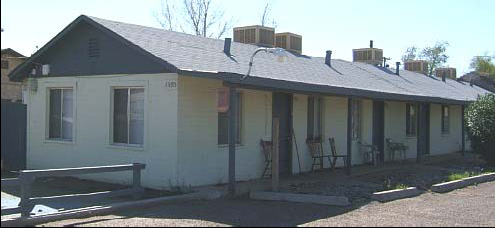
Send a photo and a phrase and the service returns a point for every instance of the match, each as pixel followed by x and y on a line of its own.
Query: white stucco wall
pixel 446 143
pixel 182 128
pixel 395 128
pixel 201 160
pixel 92 132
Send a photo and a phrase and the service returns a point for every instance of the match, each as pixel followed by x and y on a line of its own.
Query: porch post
pixel 232 137
pixel 463 129
pixel 349 136
pixel 419 132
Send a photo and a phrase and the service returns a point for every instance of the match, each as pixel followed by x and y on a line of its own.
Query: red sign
pixel 223 99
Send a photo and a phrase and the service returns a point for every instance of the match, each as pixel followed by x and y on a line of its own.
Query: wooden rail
pixel 27 177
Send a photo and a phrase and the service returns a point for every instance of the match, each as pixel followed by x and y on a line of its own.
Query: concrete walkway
pixel 473 206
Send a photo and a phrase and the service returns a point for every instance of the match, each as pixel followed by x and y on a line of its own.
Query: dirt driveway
pixel 473 206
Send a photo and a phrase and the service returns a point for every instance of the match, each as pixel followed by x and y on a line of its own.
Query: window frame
pixel 357 108
pixel 60 139
pixel 445 128
pixel 411 124
pixel 240 120
pixel 112 117
pixel 5 64
pixel 315 117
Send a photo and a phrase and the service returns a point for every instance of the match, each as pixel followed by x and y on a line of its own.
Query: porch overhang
pixel 267 84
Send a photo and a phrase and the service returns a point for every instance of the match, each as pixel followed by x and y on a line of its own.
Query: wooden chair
pixel 267 147
pixel 315 147
pixel 396 147
pixel 370 152
pixel 335 156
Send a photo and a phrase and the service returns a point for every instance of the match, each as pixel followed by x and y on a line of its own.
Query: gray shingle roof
pixel 190 53
pixel 193 53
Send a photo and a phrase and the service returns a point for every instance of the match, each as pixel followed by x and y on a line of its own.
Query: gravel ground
pixel 358 192
pixel 473 206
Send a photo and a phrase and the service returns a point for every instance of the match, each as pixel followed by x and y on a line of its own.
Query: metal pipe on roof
pixel 227 45
pixel 397 70
pixel 328 58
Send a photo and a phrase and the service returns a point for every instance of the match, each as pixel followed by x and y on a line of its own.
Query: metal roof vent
pixel 94 48
pixel 328 58
pixel 227 45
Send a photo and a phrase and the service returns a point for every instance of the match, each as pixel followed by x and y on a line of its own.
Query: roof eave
pixel 253 82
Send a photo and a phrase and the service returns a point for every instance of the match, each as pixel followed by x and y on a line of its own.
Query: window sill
pixel 226 146
pixel 56 141
pixel 126 147
pixel 445 134
pixel 412 136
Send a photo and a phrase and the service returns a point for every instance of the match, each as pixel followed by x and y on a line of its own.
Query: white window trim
pixel 51 85
pixel 360 120
pixel 445 133
pixel 123 85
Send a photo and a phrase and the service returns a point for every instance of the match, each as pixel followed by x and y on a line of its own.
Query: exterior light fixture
pixel 280 53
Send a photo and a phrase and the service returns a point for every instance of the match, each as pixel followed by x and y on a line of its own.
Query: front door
pixel 379 127
pixel 282 109
pixel 424 135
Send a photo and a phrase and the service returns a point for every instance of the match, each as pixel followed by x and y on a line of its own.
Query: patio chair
pixel 370 152
pixel 335 156
pixel 266 147
pixel 396 147
pixel 315 147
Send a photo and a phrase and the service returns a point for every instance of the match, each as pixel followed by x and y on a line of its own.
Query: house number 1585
pixel 171 84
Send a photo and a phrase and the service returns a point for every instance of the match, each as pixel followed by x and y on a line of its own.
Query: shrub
pixel 480 120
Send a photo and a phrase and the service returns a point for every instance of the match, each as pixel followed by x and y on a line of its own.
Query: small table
pixel 370 151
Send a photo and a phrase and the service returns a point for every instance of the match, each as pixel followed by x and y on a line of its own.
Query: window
pixel 223 123
pixel 445 119
pixel 412 119
pixel 315 107
pixel 61 116
pixel 5 64
pixel 356 119
pixel 128 116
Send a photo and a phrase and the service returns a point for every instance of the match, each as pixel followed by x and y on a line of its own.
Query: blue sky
pixel 340 26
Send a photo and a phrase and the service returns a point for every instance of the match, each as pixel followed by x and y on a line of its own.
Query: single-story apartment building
pixel 105 92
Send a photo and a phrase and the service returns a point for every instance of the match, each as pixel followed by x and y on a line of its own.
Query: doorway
pixel 379 128
pixel 282 109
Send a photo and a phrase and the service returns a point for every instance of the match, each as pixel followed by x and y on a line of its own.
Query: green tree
pixel 484 65
pixel 410 54
pixel 436 56
pixel 480 121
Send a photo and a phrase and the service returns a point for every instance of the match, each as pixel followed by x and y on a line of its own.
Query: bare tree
pixel 266 16
pixel 166 17
pixel 198 17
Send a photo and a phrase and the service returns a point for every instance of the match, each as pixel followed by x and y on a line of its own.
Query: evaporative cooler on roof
pixel 289 41
pixel 370 55
pixel 256 35
pixel 419 66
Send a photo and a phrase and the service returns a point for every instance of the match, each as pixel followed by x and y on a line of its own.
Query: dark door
pixel 379 127
pixel 13 136
pixel 282 109
pixel 425 129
